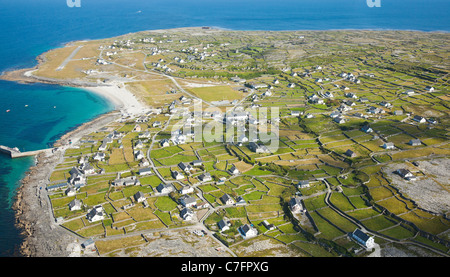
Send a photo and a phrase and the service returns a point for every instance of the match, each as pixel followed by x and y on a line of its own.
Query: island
pixel 360 167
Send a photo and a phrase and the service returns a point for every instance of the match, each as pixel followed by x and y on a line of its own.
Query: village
pixel 338 122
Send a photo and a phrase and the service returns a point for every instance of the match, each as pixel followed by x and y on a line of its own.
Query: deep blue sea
pixel 31 27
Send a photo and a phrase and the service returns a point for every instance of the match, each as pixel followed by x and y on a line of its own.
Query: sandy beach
pixel 122 99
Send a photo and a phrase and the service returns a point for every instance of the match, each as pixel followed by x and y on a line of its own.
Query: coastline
pixel 34 214
pixel 32 208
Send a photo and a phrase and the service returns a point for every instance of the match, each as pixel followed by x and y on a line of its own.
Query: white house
pixel 363 239
pixel 139 144
pixel 248 231
pixel 409 92
pixel 419 119
pixel 187 214
pixel 145 171
pixel 350 153
pixel 164 143
pixel 139 197
pixel 224 225
pixel 429 89
pixel 295 113
pixel 177 175
pixel 197 163
pixel 226 199
pixel 129 181
pixel 296 205
pixel 70 191
pixel 188 201
pixel 415 142
pixel 258 148
pixel 165 188
pixel 103 147
pixel 351 95
pixel 269 226
pixel 95 214
pixel 233 170
pixel 137 128
pixel 405 173
pixel 303 184
pixel 185 167
pixel 99 156
pixel 75 205
pixel 139 155
pixel 186 190
pixel 366 129
pixel 178 139
pixel 388 145
pixel 328 94
pixel 205 177
pixel 76 177
pixel 339 120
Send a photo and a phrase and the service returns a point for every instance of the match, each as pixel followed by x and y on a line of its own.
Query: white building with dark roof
pixel 363 239
pixel 75 205
pixel 226 199
pixel 139 197
pixel 187 214
pixel 415 142
pixel 295 205
pixel 247 231
pixel 95 214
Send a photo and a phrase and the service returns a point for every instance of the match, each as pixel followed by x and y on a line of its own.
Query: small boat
pixel 8 111
pixel 26 105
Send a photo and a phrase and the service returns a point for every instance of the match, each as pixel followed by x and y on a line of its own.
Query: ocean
pixel 40 114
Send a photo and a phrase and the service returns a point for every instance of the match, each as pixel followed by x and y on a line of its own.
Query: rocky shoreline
pixel 33 212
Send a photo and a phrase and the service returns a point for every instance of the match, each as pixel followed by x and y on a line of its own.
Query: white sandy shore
pixel 122 99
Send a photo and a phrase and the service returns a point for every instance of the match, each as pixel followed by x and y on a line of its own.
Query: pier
pixel 15 152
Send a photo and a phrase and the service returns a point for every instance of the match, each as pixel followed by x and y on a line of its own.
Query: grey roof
pixel 75 171
pixel 361 235
pixel 138 195
pixel 189 200
pixel 294 201
pixel 74 203
pixel 222 224
pixel 162 186
pixel 245 228
pixel 186 211
pixel 87 242
pixel 303 182
pixel 349 152
pixel 225 198
pixel 205 175
pixel 57 186
pixel 94 212
pixel 145 170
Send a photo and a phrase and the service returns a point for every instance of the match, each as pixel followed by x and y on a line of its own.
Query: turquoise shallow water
pixel 29 28
pixel 51 111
